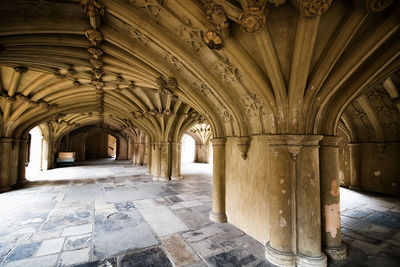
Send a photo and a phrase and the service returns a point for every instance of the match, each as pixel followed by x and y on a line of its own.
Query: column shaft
pixel 330 198
pixel 218 206
pixel 149 150
pixel 176 161
pixel 279 249
pixel 308 204
pixel 165 162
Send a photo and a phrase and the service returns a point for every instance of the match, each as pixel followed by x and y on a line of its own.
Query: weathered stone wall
pixel 96 146
pixel 247 206
pixel 380 170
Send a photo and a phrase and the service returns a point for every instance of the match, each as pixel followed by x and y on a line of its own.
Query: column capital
pixel 218 141
pixel 354 145
pixel 330 141
pixel 294 143
pixel 7 140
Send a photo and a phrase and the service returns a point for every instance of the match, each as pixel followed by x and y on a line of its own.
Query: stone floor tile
pixel 78 242
pixel 367 248
pixel 74 257
pixel 232 258
pixel 192 203
pixel 206 248
pixel 77 230
pixel 388 219
pixel 23 251
pixel 50 246
pixel 148 257
pixel 179 251
pixel 202 233
pixel 162 220
pixel 45 261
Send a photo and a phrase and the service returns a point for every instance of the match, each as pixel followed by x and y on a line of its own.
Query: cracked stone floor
pixel 113 214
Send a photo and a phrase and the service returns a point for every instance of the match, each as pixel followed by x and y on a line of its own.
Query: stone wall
pixel 247 187
pixel 380 169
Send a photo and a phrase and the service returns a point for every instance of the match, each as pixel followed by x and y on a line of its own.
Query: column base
pixel 217 217
pixel 279 258
pixel 306 261
pixel 161 178
pixel 155 178
pixel 4 189
pixel 176 178
pixel 336 253
pixel 355 187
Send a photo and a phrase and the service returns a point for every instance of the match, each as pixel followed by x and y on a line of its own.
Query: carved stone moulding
pixel 216 14
pixel 313 8
pixel 92 8
pixel 277 2
pixel 20 69
pixel 243 145
pixel 252 19
pixel 94 36
pixel 212 40
pixel 377 5
pixel 96 52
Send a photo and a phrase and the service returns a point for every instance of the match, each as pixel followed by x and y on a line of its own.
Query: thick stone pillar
pixel 330 198
pixel 294 192
pixel 140 158
pixel 23 148
pixel 355 166
pixel 176 161
pixel 155 161
pixel 308 204
pixel 165 162
pixel 149 150
pixel 279 248
pixel 8 163
pixel 218 205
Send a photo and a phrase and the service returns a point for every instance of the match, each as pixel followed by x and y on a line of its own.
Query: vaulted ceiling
pixel 247 67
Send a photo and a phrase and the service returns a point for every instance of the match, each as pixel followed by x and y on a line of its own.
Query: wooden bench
pixel 66 159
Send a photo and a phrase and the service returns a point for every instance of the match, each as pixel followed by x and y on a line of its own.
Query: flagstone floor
pixel 113 214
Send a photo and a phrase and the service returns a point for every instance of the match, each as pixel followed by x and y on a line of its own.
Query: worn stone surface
pixel 179 251
pixel 111 230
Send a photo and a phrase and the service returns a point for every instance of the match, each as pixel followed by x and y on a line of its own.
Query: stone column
pixel 6 146
pixel 149 150
pixel 308 204
pixel 155 161
pixel 140 154
pixel 176 161
pixel 330 198
pixel 218 205
pixel 355 166
pixel 279 248
pixel 165 162
pixel 23 147
pixel 294 194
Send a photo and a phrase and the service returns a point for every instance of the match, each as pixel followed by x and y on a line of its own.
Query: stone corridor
pixel 115 215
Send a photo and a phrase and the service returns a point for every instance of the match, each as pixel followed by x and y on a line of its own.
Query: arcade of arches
pixel 296 97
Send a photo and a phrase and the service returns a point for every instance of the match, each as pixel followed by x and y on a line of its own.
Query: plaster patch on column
pixel 280 211
pixel 334 188
pixel 332 219
pixel 341 175
pixel 377 173
pixel 282 221
pixel 282 181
